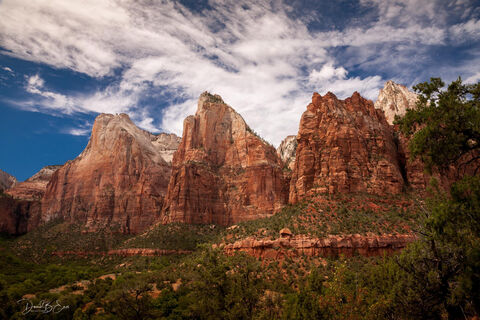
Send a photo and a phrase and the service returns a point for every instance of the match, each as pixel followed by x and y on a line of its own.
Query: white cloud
pixel 8 69
pixel 78 132
pixel 473 79
pixel 263 62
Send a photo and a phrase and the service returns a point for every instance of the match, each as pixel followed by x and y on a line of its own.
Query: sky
pixel 63 62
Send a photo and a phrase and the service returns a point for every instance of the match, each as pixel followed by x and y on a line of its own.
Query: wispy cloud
pixel 78 132
pixel 261 59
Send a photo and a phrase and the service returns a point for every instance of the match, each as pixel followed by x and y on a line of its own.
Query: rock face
pixel 303 245
pixel 166 144
pixel 6 181
pixel 222 172
pixel 345 146
pixel 394 99
pixel 287 150
pixel 18 216
pixel 34 187
pixel 119 180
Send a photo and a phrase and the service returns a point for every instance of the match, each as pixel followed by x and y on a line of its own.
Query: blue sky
pixel 63 62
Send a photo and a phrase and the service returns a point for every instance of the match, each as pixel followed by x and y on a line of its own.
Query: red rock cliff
pixel 345 146
pixel 222 171
pixel 18 216
pixel 34 187
pixel 119 180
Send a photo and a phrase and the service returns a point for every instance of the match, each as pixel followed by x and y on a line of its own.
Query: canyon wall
pixel 119 180
pixel 222 172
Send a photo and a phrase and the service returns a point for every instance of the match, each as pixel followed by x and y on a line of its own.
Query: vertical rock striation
pixel 222 172
pixel 119 180
pixel 345 146
pixel 287 150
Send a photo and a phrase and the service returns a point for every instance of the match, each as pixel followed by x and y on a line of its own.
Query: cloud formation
pixel 260 57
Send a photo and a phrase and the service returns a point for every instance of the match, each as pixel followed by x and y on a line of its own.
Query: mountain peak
pixel 394 99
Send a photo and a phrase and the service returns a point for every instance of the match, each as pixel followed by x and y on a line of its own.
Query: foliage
pixel 445 125
pixel 440 274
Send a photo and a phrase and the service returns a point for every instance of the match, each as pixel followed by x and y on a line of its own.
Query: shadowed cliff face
pixel 222 172
pixel 18 216
pixel 119 180
pixel 345 146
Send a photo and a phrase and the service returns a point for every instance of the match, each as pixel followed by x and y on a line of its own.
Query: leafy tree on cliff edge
pixel 442 271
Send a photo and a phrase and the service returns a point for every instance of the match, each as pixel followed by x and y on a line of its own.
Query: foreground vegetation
pixel 437 277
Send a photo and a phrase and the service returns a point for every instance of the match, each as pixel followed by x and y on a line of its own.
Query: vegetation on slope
pixel 438 277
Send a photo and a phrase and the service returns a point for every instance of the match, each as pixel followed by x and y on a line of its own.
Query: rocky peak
pixel 222 171
pixel 111 130
pixel 344 146
pixel 287 149
pixel 6 180
pixel 119 180
pixel 394 99
pixel 34 187
pixel 44 174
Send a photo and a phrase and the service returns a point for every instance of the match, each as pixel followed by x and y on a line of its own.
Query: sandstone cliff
pixel 304 245
pixel 394 99
pixel 34 187
pixel 18 216
pixel 287 150
pixel 6 180
pixel 345 146
pixel 119 180
pixel 222 171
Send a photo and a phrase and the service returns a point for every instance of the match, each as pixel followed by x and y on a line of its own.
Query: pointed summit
pixel 394 99
pixel 222 172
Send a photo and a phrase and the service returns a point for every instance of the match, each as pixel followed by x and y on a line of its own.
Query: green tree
pixel 440 274
pixel 445 125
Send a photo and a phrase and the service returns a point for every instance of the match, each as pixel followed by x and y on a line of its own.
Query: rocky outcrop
pixel 394 99
pixel 287 150
pixel 222 171
pixel 345 146
pixel 166 144
pixel 303 245
pixel 119 180
pixel 34 187
pixel 18 216
pixel 122 252
pixel 6 180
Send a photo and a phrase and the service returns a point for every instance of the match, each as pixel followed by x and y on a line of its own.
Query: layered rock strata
pixel 222 172
pixel 119 180
pixel 303 245
pixel 34 187
pixel 6 180
pixel 345 146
